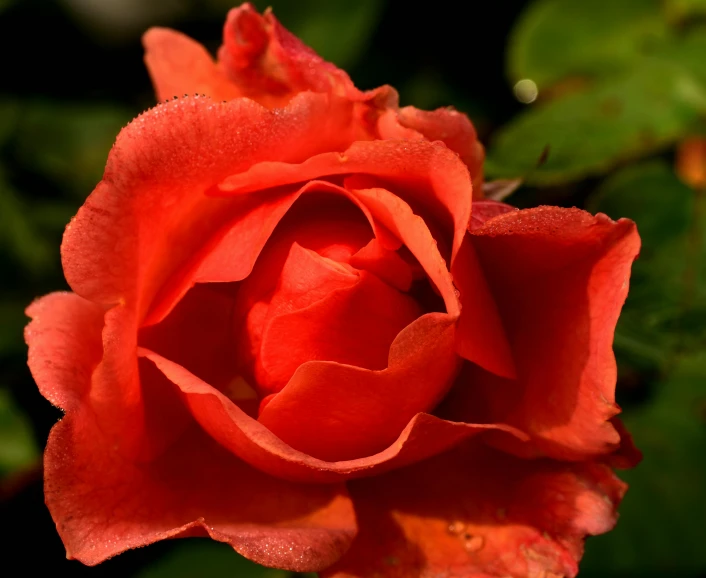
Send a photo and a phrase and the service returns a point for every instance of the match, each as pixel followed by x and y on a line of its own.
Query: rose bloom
pixel 291 330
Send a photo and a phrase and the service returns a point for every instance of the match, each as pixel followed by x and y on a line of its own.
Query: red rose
pixel 283 334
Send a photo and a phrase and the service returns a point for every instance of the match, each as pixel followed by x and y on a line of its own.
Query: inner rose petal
pixel 304 300
pixel 354 325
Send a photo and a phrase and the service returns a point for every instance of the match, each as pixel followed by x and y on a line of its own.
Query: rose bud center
pixel 323 289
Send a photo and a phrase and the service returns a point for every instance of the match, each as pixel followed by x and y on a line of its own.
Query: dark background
pixel 621 90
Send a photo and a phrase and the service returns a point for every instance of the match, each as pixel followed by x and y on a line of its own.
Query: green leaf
pixel 619 119
pixel 661 530
pixel 17 446
pixel 20 238
pixel 681 10
pixel 69 143
pixel 555 39
pixel 207 559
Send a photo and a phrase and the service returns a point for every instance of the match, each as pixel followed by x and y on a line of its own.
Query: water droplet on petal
pixel 473 543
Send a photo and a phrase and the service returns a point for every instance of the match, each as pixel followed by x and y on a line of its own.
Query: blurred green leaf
pixel 69 143
pixel 619 119
pixel 17 447
pixel 680 10
pixel 661 531
pixel 207 559
pixel 555 39
pixel 20 238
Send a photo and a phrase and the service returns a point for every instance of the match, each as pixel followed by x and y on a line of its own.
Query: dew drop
pixel 473 543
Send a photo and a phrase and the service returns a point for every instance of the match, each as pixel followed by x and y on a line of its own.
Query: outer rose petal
pixel 64 340
pixel 149 214
pixel 268 63
pixel 104 505
pixel 179 65
pixel 559 278
pixel 485 210
pixel 478 513
pixel 445 124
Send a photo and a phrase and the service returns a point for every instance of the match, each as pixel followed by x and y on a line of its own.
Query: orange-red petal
pixel 269 64
pixel 425 175
pixel 103 504
pixel 150 214
pixel 480 335
pixel 559 278
pixel 479 513
pixel 179 66
pixel 447 125
pixel 341 412
pixel 423 436
pixel 64 339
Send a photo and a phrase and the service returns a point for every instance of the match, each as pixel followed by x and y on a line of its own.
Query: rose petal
pixel 352 324
pixel 231 252
pixel 179 65
pixel 64 340
pixel 424 435
pixel 559 278
pixel 341 412
pixel 81 356
pixel 627 456
pixel 198 334
pixel 486 210
pixel 103 504
pixel 306 278
pixel 268 63
pixel 451 127
pixel 479 513
pixel 398 217
pixel 480 335
pixel 422 173
pixel 149 214
pixel 386 264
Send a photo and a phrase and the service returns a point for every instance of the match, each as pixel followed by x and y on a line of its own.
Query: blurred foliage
pixel 615 83
pixel 18 449
pixel 68 143
pixel 560 39
pixel 682 10
pixel 619 82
